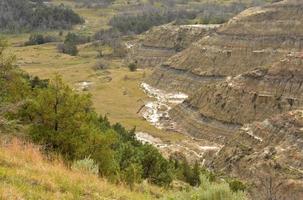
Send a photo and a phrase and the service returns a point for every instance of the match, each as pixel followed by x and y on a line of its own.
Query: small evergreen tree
pixel 132 174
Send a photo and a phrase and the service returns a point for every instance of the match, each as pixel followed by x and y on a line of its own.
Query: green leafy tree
pixel 13 85
pixel 64 122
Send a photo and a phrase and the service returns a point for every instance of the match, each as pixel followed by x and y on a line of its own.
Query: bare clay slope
pixel 162 42
pixel 256 37
pixel 268 155
pixel 217 110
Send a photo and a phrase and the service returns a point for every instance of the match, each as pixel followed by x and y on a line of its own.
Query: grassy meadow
pixel 115 91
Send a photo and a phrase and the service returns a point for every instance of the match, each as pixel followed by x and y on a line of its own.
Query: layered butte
pixel 244 83
pixel 162 42
pixel 217 110
pixel 248 70
pixel 256 37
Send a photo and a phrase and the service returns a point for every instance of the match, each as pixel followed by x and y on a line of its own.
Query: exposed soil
pixel 156 112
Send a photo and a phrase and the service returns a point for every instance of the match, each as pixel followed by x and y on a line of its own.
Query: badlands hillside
pixel 245 92
pixel 256 37
pixel 151 99
pixel 161 42
pixel 268 154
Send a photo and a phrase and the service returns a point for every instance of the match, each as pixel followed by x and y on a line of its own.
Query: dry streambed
pixel 156 112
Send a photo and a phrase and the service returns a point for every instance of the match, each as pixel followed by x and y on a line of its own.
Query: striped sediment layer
pixel 162 42
pixel 268 156
pixel 252 96
pixel 257 37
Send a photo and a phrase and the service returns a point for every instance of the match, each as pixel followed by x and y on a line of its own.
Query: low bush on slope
pixel 209 191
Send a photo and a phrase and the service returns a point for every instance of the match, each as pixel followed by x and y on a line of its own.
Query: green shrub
pixel 37 39
pixel 132 67
pixel 208 191
pixel 36 82
pixel 68 48
pixel 86 165
pixel 73 38
pixel 70 43
pixel 236 186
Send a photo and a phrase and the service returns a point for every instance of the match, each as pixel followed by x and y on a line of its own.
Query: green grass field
pixel 120 98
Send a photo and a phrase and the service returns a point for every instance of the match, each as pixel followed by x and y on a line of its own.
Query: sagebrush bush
pixel 86 165
pixel 208 191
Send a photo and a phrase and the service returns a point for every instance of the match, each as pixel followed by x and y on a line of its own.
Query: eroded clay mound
pixel 162 42
pixel 268 155
pixel 216 110
pixel 256 37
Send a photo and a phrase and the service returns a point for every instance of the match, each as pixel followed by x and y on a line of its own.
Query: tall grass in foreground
pixel 209 191
pixel 26 174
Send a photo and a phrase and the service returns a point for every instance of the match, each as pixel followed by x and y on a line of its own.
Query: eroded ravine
pixel 156 112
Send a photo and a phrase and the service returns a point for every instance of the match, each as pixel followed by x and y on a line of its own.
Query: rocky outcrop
pixel 218 109
pixel 256 37
pixel 268 155
pixel 162 42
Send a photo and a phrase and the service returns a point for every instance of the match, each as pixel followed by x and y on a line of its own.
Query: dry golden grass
pixel 26 174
